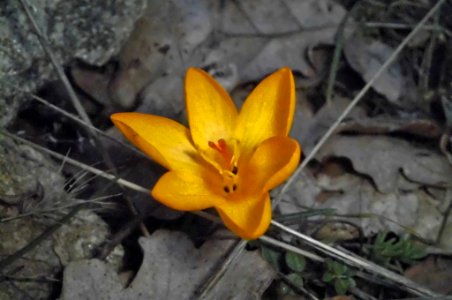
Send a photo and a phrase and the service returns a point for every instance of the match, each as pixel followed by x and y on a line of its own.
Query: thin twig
pixel 25 295
pixel 358 262
pixel 130 185
pixel 447 212
pixel 425 69
pixel 340 40
pixel 119 236
pixel 45 45
pixel 361 295
pixel 407 26
pixel 240 246
pixel 76 102
pixel 41 279
pixel 85 124
pixel 271 241
pixel 355 101
pixel 78 164
pixel 299 289
pixel 219 272
pixel 36 241
pixel 74 202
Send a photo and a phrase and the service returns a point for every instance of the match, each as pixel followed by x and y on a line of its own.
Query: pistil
pixel 229 169
pixel 222 148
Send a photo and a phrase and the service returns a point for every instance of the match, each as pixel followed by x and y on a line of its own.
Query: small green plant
pixel 293 280
pixel 383 251
pixel 272 256
pixel 339 275
pixel 295 262
pixel 290 265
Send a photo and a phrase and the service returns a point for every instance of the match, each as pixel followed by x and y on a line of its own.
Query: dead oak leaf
pixel 385 159
pixel 366 57
pixel 172 268
pixel 435 274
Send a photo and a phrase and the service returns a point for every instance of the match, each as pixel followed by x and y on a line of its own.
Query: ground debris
pixel 172 269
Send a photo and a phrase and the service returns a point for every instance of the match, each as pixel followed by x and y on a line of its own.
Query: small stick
pixel 78 164
pixel 119 236
pixel 36 241
pixel 358 262
pixel 240 245
pixel 75 101
pixel 219 272
pixel 288 247
pixel 45 45
pixel 85 124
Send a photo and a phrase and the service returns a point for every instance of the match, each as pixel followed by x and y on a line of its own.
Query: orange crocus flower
pixel 228 160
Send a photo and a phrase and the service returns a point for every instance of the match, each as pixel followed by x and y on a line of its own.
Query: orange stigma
pixel 222 148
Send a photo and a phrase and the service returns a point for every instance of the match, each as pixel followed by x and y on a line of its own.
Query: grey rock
pixel 92 31
pixel 32 197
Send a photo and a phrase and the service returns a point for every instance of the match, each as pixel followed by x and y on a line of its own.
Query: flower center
pixel 228 166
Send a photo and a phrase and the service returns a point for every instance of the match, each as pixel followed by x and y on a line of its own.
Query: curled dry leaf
pixel 232 40
pixel 373 211
pixel 305 24
pixel 434 273
pixel 172 268
pixel 366 57
pixel 387 159
pixel 302 193
pixel 160 45
pixel 336 231
pixel 309 127
pixel 386 125
pixel 164 97
pixel 92 82
pixel 257 14
pixel 354 195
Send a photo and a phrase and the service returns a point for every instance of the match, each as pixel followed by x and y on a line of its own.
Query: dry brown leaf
pixel 373 211
pixel 358 197
pixel 303 192
pixel 385 159
pixel 163 97
pixel 341 298
pixel 285 40
pixel 309 127
pixel 433 273
pixel 172 268
pixel 366 57
pixel 384 124
pixel 260 11
pixel 234 41
pixel 160 45
pixel 92 82
pixel 336 231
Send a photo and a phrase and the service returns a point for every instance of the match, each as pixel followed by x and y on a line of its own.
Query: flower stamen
pixel 235 170
pixel 222 148
pixel 228 165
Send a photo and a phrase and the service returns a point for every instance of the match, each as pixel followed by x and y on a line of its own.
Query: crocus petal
pixel 184 191
pixel 164 140
pixel 268 110
pixel 248 217
pixel 211 112
pixel 273 162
